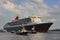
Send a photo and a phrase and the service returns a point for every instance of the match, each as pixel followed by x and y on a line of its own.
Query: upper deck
pixel 28 20
pixel 35 19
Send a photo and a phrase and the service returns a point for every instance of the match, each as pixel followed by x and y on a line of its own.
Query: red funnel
pixel 17 18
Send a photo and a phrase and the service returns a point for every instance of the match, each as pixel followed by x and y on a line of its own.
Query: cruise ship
pixel 28 23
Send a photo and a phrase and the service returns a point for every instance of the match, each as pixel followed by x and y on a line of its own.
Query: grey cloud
pixel 34 7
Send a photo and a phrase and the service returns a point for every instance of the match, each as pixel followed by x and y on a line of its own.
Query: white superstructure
pixel 35 19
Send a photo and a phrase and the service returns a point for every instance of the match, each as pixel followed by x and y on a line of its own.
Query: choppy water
pixel 52 35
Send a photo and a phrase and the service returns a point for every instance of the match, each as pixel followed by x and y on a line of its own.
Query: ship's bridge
pixel 35 19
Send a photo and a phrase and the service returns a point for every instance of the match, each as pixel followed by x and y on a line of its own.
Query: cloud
pixel 55 11
pixel 9 6
pixel 2 15
pixel 37 1
pixel 32 7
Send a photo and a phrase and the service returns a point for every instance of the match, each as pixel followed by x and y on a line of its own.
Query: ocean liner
pixel 28 23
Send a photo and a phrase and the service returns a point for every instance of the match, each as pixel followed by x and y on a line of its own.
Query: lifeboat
pixel 22 32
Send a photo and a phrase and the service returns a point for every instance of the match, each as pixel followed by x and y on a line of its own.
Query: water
pixel 52 35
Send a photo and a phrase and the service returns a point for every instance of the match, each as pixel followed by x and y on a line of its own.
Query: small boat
pixel 33 31
pixel 22 32
pixel 12 31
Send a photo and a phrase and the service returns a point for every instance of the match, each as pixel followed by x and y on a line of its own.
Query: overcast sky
pixel 48 10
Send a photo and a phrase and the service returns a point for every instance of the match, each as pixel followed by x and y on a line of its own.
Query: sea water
pixel 51 35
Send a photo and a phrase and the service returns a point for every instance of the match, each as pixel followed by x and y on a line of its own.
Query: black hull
pixel 43 27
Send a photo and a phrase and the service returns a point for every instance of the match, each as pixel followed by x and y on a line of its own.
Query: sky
pixel 48 10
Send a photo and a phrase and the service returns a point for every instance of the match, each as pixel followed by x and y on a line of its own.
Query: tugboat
pixel 12 31
pixel 33 31
pixel 23 31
